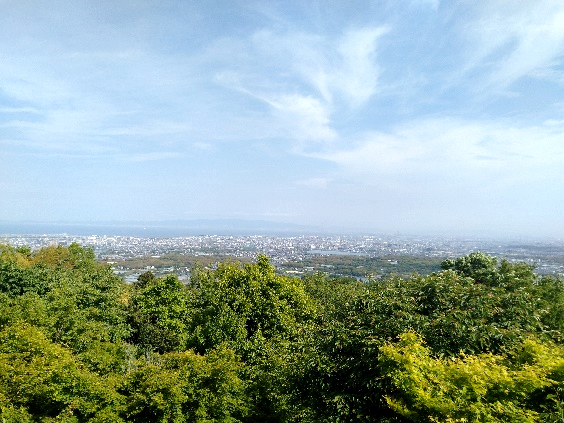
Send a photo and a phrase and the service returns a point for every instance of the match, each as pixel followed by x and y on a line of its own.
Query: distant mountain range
pixel 168 228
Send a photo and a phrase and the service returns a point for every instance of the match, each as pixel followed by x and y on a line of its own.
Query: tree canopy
pixel 479 341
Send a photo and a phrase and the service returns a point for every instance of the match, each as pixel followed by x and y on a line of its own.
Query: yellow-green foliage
pixel 20 256
pixel 43 379
pixel 64 257
pixel 519 387
pixel 186 387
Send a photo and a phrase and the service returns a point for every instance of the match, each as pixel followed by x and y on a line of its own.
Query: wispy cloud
pixel 345 65
pixel 511 40
pixel 15 110
pixel 372 102
pixel 311 70
pixel 357 77
pixel 466 151
pixel 554 122
pixel 303 118
pixel 203 146
pixel 434 4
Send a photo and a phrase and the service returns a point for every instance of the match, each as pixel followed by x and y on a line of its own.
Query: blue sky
pixel 421 116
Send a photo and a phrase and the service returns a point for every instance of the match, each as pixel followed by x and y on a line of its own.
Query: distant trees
pixel 480 340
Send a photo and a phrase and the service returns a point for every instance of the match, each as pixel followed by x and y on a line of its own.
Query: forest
pixel 480 340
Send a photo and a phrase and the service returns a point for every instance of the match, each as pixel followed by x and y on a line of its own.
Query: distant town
pixel 351 256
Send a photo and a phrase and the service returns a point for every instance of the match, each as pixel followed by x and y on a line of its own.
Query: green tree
pixel 335 372
pixel 236 304
pixel 257 313
pixel 484 269
pixel 551 290
pixel 75 300
pixel 145 279
pixel 473 388
pixel 333 296
pixel 19 275
pixel 40 380
pixel 186 387
pixel 159 315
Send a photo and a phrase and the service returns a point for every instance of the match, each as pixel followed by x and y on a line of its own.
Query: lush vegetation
pixel 364 266
pixel 478 341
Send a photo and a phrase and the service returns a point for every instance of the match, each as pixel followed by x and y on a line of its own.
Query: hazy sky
pixel 413 116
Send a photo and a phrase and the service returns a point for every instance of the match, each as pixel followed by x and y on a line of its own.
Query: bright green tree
pixel 183 387
pixel 41 380
pixel 237 304
pixel 75 300
pixel 522 387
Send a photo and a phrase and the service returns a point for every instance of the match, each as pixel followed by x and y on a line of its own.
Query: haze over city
pixel 414 116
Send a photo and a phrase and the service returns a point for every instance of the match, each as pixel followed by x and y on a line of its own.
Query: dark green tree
pixel 159 315
pixel 145 279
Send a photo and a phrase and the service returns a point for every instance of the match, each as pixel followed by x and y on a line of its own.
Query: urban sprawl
pixel 546 256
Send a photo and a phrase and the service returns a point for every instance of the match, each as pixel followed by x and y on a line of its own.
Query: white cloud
pixel 345 65
pixel 299 75
pixel 32 110
pixel 292 116
pixel 554 122
pixel 456 150
pixel 434 4
pixel 149 129
pixel 203 146
pixel 513 39
pixel 554 74
pixel 303 118
pixel 129 84
pixel 357 76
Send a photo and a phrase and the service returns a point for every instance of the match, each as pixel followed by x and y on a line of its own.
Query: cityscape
pixel 121 251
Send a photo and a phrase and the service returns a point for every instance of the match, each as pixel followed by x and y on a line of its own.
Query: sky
pixel 411 116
